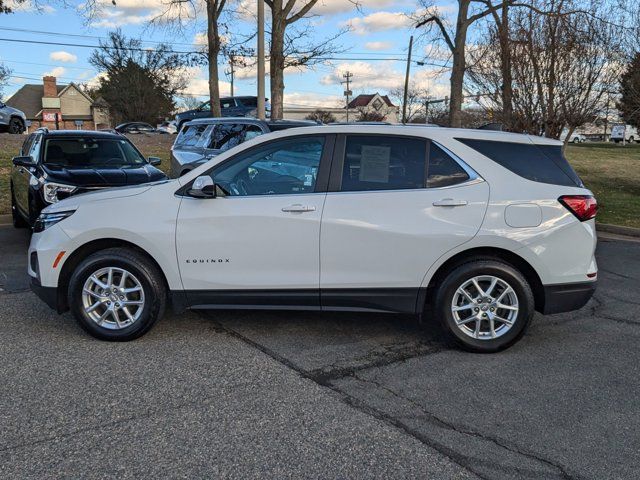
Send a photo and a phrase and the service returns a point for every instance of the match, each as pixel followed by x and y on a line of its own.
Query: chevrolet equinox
pixel 475 229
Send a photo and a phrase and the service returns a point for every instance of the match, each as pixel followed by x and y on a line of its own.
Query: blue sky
pixel 379 29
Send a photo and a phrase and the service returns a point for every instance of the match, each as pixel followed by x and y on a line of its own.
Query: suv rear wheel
pixel 117 294
pixel 484 305
pixel 16 126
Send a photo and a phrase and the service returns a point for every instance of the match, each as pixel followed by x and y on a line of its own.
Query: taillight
pixel 584 207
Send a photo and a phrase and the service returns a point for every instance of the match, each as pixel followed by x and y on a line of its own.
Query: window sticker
pixel 374 164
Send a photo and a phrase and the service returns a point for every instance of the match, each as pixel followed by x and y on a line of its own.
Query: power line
pixel 190 52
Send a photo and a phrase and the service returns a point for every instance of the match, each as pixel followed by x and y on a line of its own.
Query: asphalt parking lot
pixel 276 395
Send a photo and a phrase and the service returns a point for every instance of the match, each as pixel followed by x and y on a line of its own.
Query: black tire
pixel 631 139
pixel 149 276
pixel 458 276
pixel 18 220
pixel 16 126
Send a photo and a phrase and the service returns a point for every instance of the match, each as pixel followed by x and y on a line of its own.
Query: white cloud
pixel 378 46
pixel 62 56
pixel 56 72
pixel 138 12
pixel 198 83
pixel 378 22
pixel 302 99
pixel 29 6
pixel 380 76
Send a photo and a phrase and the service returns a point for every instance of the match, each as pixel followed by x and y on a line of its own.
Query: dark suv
pixel 54 165
pixel 203 139
pixel 229 106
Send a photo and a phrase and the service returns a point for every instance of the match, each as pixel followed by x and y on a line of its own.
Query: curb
pixel 618 230
pixel 6 219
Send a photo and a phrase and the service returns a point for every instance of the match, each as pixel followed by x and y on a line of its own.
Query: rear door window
pixel 192 135
pixel 381 162
pixel 539 163
pixel 226 136
pixel 443 170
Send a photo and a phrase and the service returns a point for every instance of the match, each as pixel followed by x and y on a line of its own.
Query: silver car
pixel 12 119
pixel 200 140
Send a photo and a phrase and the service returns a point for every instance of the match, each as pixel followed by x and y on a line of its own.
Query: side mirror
pixel 155 161
pixel 202 187
pixel 26 162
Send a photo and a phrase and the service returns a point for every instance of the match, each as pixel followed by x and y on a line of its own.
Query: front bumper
pixel 565 297
pixel 48 295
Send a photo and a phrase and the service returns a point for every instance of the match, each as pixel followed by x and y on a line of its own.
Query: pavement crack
pixel 390 355
pixel 353 402
pixel 469 432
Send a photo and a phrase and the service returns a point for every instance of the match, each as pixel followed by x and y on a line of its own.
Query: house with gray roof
pixel 63 107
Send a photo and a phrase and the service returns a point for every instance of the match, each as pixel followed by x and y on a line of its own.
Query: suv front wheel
pixel 484 305
pixel 117 294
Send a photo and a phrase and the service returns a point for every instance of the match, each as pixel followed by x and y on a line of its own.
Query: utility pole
pixel 406 82
pixel 231 72
pixel 347 93
pixel 261 99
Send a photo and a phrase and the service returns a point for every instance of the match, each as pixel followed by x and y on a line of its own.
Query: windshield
pixel 91 153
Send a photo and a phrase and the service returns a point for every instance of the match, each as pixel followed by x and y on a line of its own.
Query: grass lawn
pixel 611 171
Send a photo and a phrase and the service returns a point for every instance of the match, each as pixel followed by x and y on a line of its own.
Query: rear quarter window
pixel 539 163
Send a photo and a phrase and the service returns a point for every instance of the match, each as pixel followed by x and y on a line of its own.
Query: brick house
pixel 65 107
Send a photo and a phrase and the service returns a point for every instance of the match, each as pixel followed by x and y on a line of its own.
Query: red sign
pixel 51 116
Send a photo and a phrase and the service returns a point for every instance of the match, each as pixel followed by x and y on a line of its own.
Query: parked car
pixel 12 120
pixel 201 140
pixel 477 229
pixel 54 165
pixel 626 133
pixel 575 137
pixel 135 127
pixel 229 106
pixel 167 127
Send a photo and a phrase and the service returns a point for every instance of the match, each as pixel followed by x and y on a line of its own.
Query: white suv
pixel 476 229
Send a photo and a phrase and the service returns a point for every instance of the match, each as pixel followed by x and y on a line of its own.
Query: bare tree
pixel 416 102
pixel 176 15
pixel 561 65
pixel 366 115
pixel 470 12
pixel 4 77
pixel 292 47
pixel 322 116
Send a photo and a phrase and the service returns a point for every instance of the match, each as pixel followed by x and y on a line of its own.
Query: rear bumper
pixel 48 295
pixel 566 297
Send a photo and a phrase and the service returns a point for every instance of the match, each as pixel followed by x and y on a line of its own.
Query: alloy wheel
pixel 485 307
pixel 113 298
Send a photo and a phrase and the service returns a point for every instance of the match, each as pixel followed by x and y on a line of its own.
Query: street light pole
pixel 261 90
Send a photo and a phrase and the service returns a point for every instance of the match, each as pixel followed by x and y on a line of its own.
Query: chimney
pixel 50 89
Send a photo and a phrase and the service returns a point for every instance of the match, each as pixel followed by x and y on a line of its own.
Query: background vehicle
pixel 167 127
pixel 625 133
pixel 135 127
pixel 201 140
pixel 56 164
pixel 476 229
pixel 12 120
pixel 575 137
pixel 230 107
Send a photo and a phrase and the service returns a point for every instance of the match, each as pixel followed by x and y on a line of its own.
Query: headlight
pixel 45 220
pixel 51 191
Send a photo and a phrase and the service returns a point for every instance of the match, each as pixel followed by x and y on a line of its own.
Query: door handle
pixel 297 208
pixel 450 202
